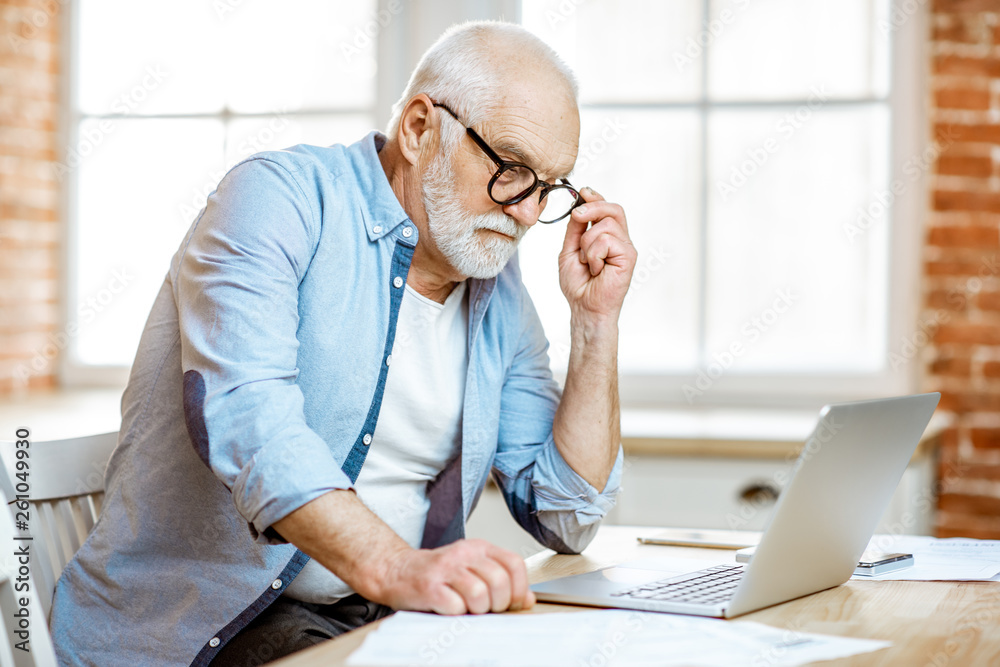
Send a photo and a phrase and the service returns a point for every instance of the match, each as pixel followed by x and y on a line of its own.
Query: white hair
pixel 457 70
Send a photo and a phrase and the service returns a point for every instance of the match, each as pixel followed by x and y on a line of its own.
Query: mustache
pixel 501 223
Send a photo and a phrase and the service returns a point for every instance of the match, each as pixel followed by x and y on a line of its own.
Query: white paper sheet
pixel 950 559
pixel 604 638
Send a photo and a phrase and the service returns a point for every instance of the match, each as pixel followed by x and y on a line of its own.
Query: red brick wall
pixel 962 261
pixel 30 229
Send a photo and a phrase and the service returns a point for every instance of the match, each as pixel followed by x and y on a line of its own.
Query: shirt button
pixel 397 282
pixel 367 439
pixel 214 641
pixel 407 232
pixel 276 584
pixel 377 229
pixel 388 360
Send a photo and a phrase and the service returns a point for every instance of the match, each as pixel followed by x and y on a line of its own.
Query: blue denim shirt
pixel 259 373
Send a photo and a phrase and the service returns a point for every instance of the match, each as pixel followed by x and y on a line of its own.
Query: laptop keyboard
pixel 708 586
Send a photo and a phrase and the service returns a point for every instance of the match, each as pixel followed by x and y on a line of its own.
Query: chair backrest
pixel 65 487
pixel 25 641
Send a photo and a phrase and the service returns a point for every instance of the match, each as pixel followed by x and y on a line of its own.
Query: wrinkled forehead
pixel 537 123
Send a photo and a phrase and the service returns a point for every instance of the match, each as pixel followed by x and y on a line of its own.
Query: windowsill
pixel 713 432
pixel 722 423
pixel 734 432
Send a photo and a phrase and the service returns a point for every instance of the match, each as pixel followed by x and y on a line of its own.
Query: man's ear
pixel 418 125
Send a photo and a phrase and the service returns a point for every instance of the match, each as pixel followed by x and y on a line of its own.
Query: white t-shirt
pixel 419 427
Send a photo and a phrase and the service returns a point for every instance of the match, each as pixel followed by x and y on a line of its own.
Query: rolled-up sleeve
pixel 545 495
pixel 236 285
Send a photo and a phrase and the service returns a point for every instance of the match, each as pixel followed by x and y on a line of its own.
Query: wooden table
pixel 930 623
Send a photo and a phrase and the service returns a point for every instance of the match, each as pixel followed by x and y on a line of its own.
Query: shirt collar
pixel 381 209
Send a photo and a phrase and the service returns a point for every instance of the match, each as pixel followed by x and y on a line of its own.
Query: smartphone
pixel 875 562
pixel 870 564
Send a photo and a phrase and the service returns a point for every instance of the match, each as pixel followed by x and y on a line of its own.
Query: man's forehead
pixel 545 141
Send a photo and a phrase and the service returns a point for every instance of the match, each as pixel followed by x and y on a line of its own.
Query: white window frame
pixel 400 43
pixel 908 139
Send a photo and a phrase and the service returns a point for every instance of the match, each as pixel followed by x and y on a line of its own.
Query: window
pixel 166 99
pixel 754 145
pixel 750 145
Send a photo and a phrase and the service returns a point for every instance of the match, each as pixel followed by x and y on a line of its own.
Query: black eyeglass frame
pixel 504 165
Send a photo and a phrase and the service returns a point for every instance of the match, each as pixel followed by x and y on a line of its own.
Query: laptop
pixel 838 490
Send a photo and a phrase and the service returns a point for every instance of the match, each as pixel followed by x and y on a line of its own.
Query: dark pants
pixel 288 625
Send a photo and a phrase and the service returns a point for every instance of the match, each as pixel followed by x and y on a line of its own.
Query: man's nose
pixel 526 211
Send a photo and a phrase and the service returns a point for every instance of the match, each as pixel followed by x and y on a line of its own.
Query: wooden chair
pixel 16 588
pixel 65 488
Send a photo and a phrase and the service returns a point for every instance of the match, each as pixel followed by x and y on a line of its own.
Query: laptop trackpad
pixel 599 584
pixel 626 576
pixel 667 566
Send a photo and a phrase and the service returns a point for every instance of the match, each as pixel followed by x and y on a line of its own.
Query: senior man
pixel 341 352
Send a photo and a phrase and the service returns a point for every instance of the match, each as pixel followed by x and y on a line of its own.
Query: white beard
pixel 470 252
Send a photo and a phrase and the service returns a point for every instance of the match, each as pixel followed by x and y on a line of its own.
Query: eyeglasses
pixel 514 182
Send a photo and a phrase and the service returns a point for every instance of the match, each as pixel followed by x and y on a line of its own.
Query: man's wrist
pixel 589 329
pixel 380 581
